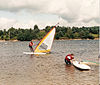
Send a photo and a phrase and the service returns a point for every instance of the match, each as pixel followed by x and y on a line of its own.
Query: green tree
pixel 1 32
pixel 69 33
pixel 4 32
pixel 12 33
pixel 41 34
pixel 2 37
pixel 7 37
pixel 57 36
pixel 21 37
pixel 76 35
pixel 90 36
pixel 36 29
pixel 47 29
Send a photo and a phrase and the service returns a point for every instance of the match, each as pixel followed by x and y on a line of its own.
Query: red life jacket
pixel 31 43
pixel 69 57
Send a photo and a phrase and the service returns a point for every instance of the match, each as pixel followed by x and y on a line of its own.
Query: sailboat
pixel 45 44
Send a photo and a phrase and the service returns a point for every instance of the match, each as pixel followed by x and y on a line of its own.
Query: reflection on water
pixel 50 69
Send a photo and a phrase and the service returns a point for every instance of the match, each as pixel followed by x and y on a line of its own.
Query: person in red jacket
pixel 30 46
pixel 68 58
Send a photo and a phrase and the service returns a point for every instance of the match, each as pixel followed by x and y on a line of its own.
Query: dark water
pixel 50 69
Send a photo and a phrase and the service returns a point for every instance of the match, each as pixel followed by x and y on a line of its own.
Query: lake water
pixel 17 68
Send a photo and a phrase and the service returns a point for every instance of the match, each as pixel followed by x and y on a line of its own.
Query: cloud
pixel 89 11
pixel 72 12
pixel 65 8
pixel 6 23
pixel 18 5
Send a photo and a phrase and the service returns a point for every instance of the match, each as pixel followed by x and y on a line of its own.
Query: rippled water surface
pixel 17 68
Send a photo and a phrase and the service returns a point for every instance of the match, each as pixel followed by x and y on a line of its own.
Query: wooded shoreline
pixel 62 33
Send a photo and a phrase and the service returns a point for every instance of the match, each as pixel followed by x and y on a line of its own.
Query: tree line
pixel 61 33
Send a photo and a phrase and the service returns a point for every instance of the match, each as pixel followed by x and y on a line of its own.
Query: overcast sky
pixel 27 13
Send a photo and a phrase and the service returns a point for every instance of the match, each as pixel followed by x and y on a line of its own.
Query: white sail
pixel 45 44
